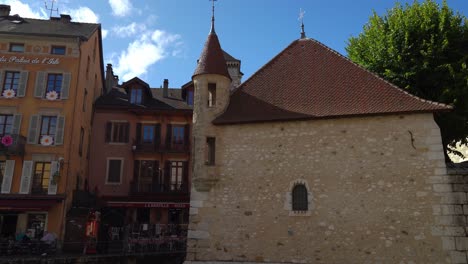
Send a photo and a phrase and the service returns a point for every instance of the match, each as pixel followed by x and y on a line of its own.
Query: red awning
pixel 148 204
pixel 16 202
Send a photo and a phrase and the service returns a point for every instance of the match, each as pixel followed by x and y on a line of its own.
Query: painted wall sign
pixel 25 60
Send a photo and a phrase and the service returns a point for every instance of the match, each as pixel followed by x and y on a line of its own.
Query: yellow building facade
pixel 50 73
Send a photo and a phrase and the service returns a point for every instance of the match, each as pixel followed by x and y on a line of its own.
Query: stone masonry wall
pixel 375 184
pixel 450 215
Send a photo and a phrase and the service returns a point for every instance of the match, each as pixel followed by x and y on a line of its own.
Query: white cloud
pixel 104 33
pixel 121 8
pixel 82 14
pixel 150 48
pixel 24 10
pixel 129 30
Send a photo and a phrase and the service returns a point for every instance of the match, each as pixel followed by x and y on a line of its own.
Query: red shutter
pixel 167 175
pixel 108 131
pixel 168 136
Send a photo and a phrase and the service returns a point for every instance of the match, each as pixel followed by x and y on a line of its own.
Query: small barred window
pixel 299 198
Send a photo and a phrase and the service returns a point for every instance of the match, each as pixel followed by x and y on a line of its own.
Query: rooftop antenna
pixel 212 31
pixel 301 18
pixel 51 9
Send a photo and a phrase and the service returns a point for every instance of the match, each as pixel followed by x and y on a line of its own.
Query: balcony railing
pixel 145 188
pixel 12 144
pixel 150 147
pixel 131 240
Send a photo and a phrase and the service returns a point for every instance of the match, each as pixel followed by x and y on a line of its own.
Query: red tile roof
pixel 212 58
pixel 308 80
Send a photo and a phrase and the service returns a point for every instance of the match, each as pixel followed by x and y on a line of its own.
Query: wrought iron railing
pixel 129 240
pixel 12 144
pixel 140 187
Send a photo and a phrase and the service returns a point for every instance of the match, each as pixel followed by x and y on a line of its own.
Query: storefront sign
pixel 25 60
pixel 148 204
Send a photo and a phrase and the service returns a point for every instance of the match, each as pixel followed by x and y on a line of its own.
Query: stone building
pixel 314 159
pixel 50 73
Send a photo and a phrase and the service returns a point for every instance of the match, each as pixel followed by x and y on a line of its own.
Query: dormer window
pixel 190 97
pixel 136 95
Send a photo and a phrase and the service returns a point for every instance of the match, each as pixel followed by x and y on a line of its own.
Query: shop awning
pixel 28 202
pixel 147 204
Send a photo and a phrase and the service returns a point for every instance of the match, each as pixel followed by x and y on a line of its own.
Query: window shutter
pixel 108 131
pixel 60 130
pixel 185 173
pixel 136 170
pixel 138 133
pixel 155 176
pixel 39 89
pixel 54 168
pixel 16 125
pixel 1 80
pixel 127 130
pixel 65 90
pixel 157 135
pixel 33 131
pixel 187 135
pixel 167 175
pixel 23 82
pixel 26 175
pixel 7 178
pixel 168 136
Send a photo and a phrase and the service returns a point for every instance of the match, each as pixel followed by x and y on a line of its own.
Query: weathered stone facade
pixel 379 188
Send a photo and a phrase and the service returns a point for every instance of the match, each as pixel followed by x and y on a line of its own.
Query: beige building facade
pixel 316 160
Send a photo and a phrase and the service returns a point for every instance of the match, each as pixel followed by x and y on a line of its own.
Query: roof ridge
pixel 377 76
pixel 48 20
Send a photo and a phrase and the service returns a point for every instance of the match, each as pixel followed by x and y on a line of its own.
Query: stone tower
pixel 212 84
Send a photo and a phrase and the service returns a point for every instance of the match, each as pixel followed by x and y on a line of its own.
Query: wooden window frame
pixel 54 50
pixel 136 95
pixel 42 178
pixel 15 76
pixel 56 84
pixel 4 125
pixel 13 45
pixel 119 132
pixel 49 126
pixel 109 159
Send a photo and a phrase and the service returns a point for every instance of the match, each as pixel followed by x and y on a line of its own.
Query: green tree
pixel 422 48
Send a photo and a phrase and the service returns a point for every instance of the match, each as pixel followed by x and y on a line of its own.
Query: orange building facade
pixel 50 73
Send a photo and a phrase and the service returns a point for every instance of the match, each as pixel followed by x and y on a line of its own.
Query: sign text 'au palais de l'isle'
pixel 24 60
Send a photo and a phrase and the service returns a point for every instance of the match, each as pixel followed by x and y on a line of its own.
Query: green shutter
pixel 7 178
pixel 16 125
pixel 54 168
pixel 60 130
pixel 33 131
pixel 65 91
pixel 23 82
pixel 26 175
pixel 39 89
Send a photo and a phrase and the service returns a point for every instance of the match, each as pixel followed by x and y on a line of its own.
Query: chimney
pixel 4 10
pixel 109 78
pixel 166 88
pixel 65 18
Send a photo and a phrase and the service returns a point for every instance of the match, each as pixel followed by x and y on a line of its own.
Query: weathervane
pixel 301 18
pixel 212 16
pixel 51 8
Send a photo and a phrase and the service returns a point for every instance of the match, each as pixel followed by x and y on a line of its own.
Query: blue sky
pixel 162 39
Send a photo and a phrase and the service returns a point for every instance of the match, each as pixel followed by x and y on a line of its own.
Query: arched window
pixel 299 198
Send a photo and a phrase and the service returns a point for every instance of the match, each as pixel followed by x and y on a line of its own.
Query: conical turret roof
pixel 212 58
